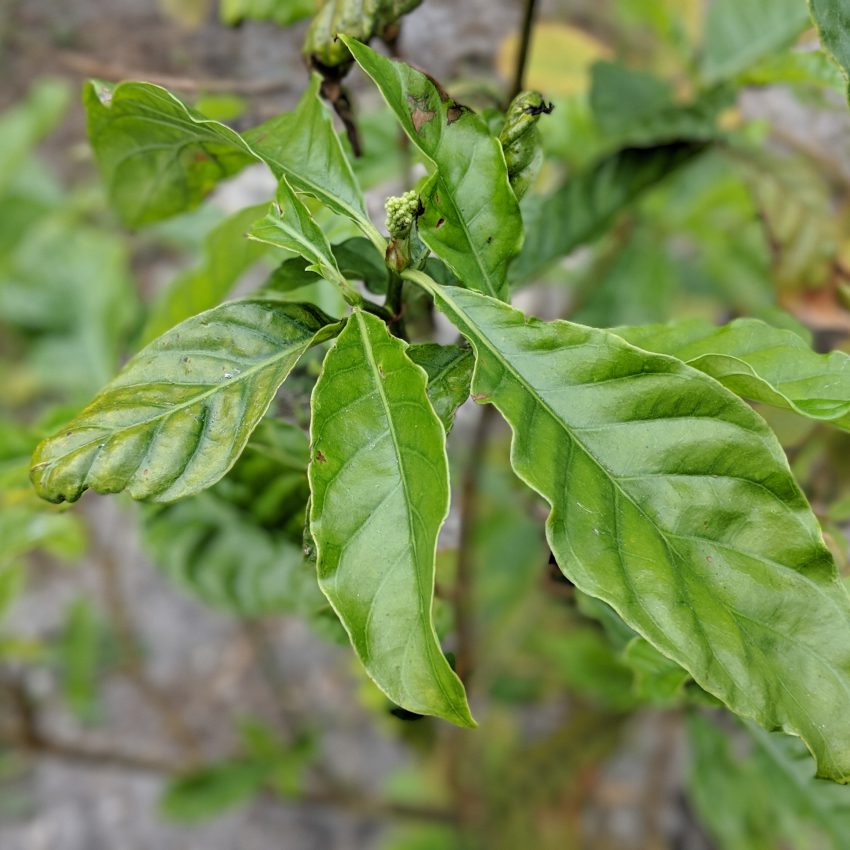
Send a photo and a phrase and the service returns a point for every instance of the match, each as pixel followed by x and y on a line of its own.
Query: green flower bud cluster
pixel 520 139
pixel 401 213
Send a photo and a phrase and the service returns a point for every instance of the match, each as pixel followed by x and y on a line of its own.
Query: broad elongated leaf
pixel 739 32
pixel 179 414
pixel 673 502
pixel 585 205
pixel 832 18
pixel 303 147
pixel 227 254
pixel 449 369
pixel 289 225
pixel 758 362
pixel 471 219
pixel 379 494
pixel 766 799
pixel 156 156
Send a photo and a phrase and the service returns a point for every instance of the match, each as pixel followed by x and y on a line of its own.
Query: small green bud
pixel 520 139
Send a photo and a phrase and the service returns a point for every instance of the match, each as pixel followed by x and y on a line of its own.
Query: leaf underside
pixel 379 494
pixel 179 414
pixel 672 501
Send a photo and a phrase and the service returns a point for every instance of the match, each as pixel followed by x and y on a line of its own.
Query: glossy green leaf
pixel 449 370
pixel 740 32
pixel 156 156
pixel 754 790
pixel 227 253
pixel 303 147
pixel 701 540
pixel 832 18
pixel 289 225
pixel 471 219
pixel 179 414
pixel 758 362
pixel 584 207
pixel 379 494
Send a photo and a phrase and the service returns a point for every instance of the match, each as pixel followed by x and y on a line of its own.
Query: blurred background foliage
pixel 673 187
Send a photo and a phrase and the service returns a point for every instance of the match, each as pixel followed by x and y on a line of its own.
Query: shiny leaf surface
pixel 156 156
pixel 471 219
pixel 701 540
pixel 379 494
pixel 758 362
pixel 303 147
pixel 180 412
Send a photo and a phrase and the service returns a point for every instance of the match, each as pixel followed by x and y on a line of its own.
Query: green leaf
pixel 227 253
pixel 289 225
pixel 635 108
pixel 584 207
pixel 303 147
pixel 237 546
pixel 673 502
pixel 379 494
pixel 177 417
pixel 758 362
pixel 756 791
pixel 740 32
pixel 280 12
pixel 832 18
pixel 156 156
pixel 449 370
pixel 22 126
pixel 471 219
pixel 213 789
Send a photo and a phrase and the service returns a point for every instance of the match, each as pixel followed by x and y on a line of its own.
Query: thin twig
pixel 524 48
pixel 92 67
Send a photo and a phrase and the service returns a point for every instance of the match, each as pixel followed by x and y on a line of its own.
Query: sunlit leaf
pixel 758 362
pixel 673 502
pixel 156 156
pixel 379 494
pixel 179 414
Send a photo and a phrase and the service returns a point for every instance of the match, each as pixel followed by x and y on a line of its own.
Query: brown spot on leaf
pixel 440 223
pixel 320 458
pixel 455 111
pixel 480 396
pixel 420 114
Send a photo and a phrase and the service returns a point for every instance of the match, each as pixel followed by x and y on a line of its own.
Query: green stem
pixel 394 304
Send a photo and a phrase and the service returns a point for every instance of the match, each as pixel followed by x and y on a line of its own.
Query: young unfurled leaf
pixel 449 369
pixel 586 204
pixel 303 147
pixel 380 492
pixel 157 157
pixel 179 414
pixel 289 225
pixel 758 362
pixel 673 502
pixel 832 18
pixel 471 219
